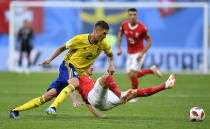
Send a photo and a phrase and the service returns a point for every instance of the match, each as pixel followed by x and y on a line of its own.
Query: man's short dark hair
pixel 102 24
pixel 132 10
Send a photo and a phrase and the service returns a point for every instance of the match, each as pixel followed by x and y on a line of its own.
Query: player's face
pixel 26 24
pixel 132 16
pixel 100 33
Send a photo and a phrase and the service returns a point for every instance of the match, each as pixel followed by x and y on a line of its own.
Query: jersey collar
pixel 132 27
pixel 89 39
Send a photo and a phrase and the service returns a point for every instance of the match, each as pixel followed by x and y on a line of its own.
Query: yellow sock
pixel 31 104
pixel 64 93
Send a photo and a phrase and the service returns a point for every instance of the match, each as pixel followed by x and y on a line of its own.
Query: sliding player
pixel 104 94
pixel 84 49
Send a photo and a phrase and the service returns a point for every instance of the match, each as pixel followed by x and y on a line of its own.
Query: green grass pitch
pixel 165 110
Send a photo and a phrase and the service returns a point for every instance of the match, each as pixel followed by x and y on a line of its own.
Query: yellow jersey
pixel 83 53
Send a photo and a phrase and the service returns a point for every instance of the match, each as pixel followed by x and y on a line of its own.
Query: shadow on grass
pixel 67 117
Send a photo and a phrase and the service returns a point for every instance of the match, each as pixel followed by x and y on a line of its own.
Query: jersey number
pixel 131 40
pixel 89 56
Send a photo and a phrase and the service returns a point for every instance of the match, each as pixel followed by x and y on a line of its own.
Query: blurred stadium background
pixel 177 33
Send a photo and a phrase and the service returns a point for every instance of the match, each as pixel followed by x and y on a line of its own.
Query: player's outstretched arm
pixel 76 103
pixel 94 111
pixel 55 54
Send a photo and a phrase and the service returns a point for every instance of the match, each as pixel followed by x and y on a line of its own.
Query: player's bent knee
pixel 74 82
pixel 102 80
pixel 50 94
pixel 132 74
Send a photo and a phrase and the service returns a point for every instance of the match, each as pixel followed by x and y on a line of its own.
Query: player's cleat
pixel 51 111
pixel 170 82
pixel 14 114
pixel 27 71
pixel 128 95
pixel 19 70
pixel 155 70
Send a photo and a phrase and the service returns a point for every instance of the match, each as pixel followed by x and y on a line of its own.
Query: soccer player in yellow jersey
pixel 83 51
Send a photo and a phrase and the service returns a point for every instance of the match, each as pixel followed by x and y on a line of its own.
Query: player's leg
pixel 131 68
pixel 98 95
pixel 134 80
pixel 19 70
pixel 152 70
pixel 68 73
pixel 109 81
pixel 73 84
pixel 28 55
pixel 20 58
pixel 14 113
pixel 144 92
pixel 142 72
pixel 28 52
pixel 102 97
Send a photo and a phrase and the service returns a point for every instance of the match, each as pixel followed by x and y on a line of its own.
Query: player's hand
pixel 77 104
pixel 102 116
pixel 119 52
pixel 139 56
pixel 44 62
pixel 111 70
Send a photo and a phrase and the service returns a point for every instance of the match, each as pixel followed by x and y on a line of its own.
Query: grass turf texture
pixel 165 110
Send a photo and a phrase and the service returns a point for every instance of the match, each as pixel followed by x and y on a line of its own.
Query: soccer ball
pixel 196 114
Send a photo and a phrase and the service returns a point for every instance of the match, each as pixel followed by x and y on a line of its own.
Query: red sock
pixel 144 72
pixel 134 82
pixel 113 86
pixel 149 91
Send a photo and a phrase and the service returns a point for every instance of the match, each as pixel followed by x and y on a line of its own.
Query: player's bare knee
pixel 74 82
pixel 102 80
pixel 132 74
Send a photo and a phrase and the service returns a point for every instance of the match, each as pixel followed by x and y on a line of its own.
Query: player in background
pixel 135 32
pixel 104 94
pixel 25 38
pixel 84 49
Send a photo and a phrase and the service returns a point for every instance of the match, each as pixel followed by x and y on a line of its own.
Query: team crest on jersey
pixel 75 72
pixel 126 31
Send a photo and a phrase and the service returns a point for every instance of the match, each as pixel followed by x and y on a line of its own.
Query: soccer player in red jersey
pixel 135 32
pixel 104 94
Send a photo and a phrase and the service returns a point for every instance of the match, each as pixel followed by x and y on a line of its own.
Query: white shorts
pixel 133 64
pixel 102 98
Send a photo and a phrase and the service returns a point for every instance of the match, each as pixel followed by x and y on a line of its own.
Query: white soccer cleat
pixel 170 82
pixel 27 71
pixel 19 70
pixel 130 94
pixel 155 70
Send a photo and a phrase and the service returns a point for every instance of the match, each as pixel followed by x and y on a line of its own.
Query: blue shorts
pixel 66 71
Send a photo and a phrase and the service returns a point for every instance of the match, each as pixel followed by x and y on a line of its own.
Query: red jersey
pixel 86 84
pixel 134 35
